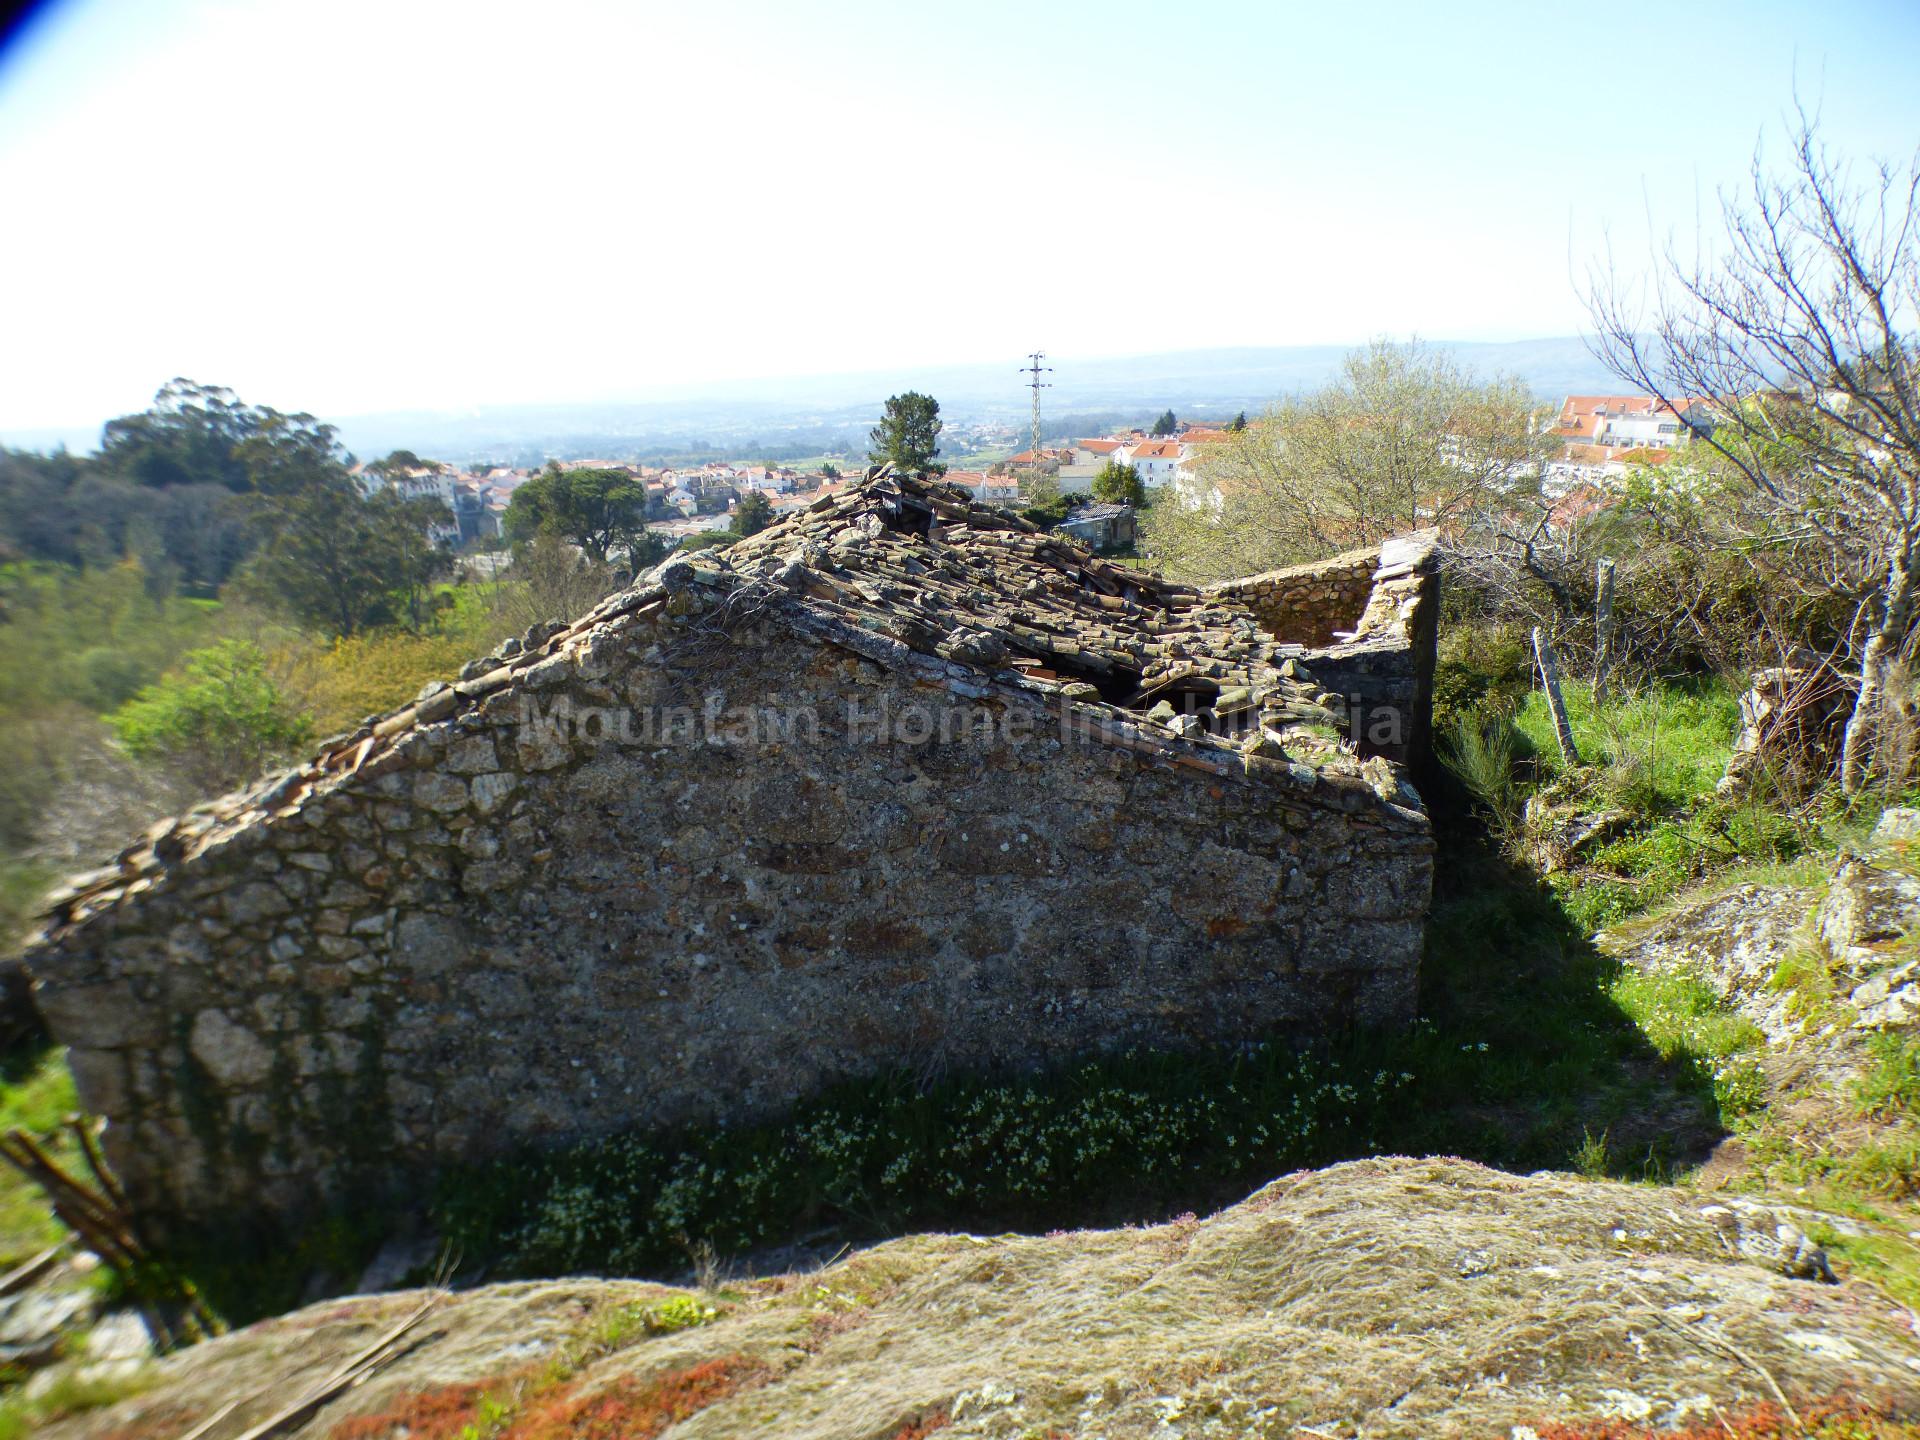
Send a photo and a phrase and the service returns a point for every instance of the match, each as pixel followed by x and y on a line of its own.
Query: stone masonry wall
pixel 1385 604
pixel 611 885
pixel 1308 604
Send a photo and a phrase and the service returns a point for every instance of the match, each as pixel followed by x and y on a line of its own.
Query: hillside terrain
pixel 798 410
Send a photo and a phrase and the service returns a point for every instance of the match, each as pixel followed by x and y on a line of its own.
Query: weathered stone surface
pixel 1379 1298
pixel 1866 906
pixel 1733 940
pixel 232 1054
pixel 712 849
pixel 109 1015
pixel 1898 825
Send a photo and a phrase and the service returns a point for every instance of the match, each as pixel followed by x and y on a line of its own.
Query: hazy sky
pixel 348 207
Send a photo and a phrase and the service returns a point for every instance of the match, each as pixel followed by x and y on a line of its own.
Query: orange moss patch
pixel 439 1414
pixel 921 1426
pixel 639 1409
pixel 1823 1420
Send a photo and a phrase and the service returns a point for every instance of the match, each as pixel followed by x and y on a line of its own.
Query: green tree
pixel 331 555
pixel 340 560
pixel 220 717
pixel 419 565
pixel 908 435
pixel 397 464
pixel 1239 423
pixel 829 471
pixel 1166 424
pixel 1121 484
pixel 189 435
pixel 598 510
pixel 752 514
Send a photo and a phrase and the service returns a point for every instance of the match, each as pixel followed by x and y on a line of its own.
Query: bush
pixel 1482 750
pixel 219 719
pixel 1480 666
pixel 372 673
pixel 107 677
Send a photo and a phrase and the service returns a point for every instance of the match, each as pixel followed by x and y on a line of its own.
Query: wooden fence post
pixel 1603 627
pixel 1550 682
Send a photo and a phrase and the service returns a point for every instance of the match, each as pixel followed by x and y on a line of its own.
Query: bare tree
pixel 1795 343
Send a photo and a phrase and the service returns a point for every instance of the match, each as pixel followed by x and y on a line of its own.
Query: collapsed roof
pixel 922 563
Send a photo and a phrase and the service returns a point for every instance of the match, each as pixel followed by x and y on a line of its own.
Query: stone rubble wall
pixel 1308 604
pixel 526 911
pixel 1366 624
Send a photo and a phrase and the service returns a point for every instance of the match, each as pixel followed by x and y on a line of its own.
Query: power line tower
pixel 1034 370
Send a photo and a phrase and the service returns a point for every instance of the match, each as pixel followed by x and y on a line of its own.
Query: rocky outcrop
pixel 1857 929
pixel 893 786
pixel 1382 1298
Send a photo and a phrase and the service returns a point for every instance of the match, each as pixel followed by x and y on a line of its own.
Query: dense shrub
pixel 221 717
pixel 1481 665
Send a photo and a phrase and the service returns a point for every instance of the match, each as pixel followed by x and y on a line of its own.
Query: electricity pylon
pixel 1035 370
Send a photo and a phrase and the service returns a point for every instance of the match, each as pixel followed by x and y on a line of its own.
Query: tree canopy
pixel 1119 483
pixel 342 561
pixel 599 510
pixel 908 435
pixel 752 514
pixel 1167 424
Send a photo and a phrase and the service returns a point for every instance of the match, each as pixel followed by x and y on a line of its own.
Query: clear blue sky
pixel 375 204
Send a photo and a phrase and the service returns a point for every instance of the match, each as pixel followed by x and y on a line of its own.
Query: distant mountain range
pixel 830 412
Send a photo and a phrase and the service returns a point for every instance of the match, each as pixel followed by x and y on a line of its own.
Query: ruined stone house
pixel 901 781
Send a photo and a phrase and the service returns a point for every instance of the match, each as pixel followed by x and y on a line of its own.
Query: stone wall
pixel 1309 604
pixel 608 883
pixel 1367 623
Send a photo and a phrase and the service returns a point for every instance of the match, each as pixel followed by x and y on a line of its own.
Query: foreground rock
pixel 1378 1298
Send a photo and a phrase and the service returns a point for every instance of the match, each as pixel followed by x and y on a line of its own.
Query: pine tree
pixel 908 435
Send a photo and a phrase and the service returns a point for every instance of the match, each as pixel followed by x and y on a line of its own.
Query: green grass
pixel 36 1094
pixel 1655 757
pixel 1660 749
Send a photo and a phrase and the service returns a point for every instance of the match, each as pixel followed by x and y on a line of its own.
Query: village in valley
pixel 1590 443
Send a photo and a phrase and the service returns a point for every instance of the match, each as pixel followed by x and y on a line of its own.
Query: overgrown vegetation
pixel 36 1094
